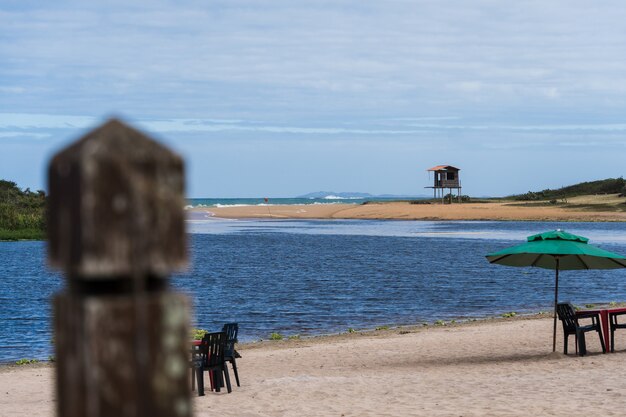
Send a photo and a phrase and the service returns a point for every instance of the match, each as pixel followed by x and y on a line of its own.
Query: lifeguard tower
pixel 445 176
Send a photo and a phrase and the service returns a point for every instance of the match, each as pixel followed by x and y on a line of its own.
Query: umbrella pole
pixel 556 298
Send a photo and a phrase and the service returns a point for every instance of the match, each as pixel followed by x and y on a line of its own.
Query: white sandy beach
pixel 580 209
pixel 488 368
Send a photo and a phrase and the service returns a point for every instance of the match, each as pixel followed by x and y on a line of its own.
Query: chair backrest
pixel 212 348
pixel 567 314
pixel 231 330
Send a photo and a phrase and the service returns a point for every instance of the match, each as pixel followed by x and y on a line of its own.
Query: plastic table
pixel 604 322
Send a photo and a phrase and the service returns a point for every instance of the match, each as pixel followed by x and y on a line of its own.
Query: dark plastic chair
pixel 615 325
pixel 212 350
pixel 195 364
pixel 569 318
pixel 230 354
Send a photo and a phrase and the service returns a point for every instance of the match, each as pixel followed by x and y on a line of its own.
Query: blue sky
pixel 280 98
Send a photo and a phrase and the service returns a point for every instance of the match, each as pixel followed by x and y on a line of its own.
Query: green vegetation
pixel 198 334
pixel 276 336
pixel 448 199
pixel 22 213
pixel 454 198
pixel 509 314
pixel 607 186
pixel 22 234
pixel 26 361
pixel 440 323
pixel 382 328
pixel 294 337
pixel 351 330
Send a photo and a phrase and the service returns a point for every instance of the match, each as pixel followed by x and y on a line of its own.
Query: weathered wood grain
pixel 116 206
pixel 116 228
pixel 120 355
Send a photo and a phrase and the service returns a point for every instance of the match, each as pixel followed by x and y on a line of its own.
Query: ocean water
pixel 262 201
pixel 312 277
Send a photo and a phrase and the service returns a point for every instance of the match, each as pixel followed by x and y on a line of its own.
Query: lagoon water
pixel 312 277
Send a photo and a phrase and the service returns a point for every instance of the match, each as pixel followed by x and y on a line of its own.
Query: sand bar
pixel 408 211
pixel 500 367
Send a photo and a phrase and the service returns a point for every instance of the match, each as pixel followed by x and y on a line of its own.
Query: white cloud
pixel 414 75
pixel 35 123
pixel 18 134
pixel 43 121
pixel 12 89
pixel 314 54
pixel 466 86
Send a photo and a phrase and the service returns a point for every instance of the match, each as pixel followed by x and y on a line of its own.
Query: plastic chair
pixel 615 325
pixel 230 354
pixel 569 318
pixel 195 364
pixel 212 352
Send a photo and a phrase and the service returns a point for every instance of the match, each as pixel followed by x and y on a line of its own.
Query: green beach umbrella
pixel 557 250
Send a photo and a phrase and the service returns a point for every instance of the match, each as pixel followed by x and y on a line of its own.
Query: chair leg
pixel 582 346
pixel 234 362
pixel 200 377
pixel 193 378
pixel 225 370
pixel 217 380
pixel 612 338
pixel 211 380
pixel 602 341
pixel 565 338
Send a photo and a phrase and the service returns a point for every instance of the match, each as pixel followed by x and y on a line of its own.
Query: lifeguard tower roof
pixel 443 168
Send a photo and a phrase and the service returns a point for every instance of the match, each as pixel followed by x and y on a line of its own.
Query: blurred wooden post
pixel 116 228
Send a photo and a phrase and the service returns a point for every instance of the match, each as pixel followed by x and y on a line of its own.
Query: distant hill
pixel 22 213
pixel 607 186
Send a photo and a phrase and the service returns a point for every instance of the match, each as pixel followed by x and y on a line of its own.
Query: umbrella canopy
pixel 557 250
pixel 572 251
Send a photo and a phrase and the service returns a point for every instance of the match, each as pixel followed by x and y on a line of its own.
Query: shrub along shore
pixel 22 213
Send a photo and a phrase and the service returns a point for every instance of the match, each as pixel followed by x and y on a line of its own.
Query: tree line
pixel 22 212
pixel 607 186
